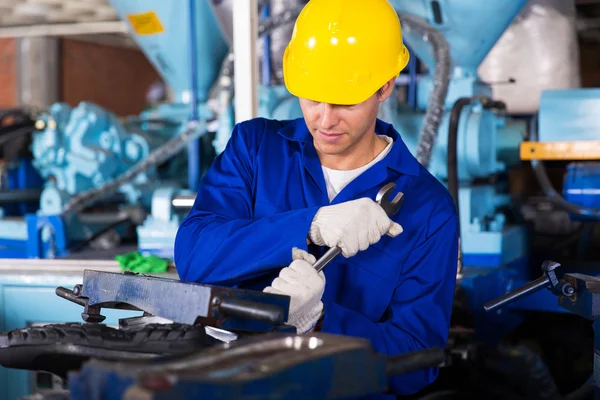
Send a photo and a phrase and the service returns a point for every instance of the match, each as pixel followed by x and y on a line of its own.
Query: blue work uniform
pixel 257 202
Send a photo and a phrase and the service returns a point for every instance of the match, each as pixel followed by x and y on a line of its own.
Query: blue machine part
pixel 494 253
pixel 290 367
pixel 157 234
pixel 19 175
pixel 459 21
pixel 487 142
pixel 569 115
pixel 486 240
pixel 83 148
pixel 582 187
pixel 163 31
pixel 19 179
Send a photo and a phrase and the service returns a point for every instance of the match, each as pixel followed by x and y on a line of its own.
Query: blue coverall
pixel 257 202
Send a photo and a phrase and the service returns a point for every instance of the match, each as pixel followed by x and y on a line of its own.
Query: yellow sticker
pixel 146 23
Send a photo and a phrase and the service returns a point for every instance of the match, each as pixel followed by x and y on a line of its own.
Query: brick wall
pixel 8 73
pixel 113 77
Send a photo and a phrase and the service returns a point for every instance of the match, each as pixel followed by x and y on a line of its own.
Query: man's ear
pixel 386 90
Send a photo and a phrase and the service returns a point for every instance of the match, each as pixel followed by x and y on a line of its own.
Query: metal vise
pixel 178 318
pixel 180 302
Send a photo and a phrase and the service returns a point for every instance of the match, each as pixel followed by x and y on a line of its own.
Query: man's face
pixel 338 130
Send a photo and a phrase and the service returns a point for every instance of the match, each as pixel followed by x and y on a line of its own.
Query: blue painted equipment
pixel 81 150
pixel 450 99
pixel 312 366
pixel 257 365
pixel 485 239
pixel 567 131
pixel 582 187
pixel 462 135
pixel 20 185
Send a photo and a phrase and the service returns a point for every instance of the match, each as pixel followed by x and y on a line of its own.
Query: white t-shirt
pixel 337 180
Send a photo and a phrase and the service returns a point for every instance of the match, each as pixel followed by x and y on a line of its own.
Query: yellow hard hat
pixel 343 51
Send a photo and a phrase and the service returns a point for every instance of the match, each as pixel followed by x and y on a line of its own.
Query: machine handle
pixel 68 294
pixel 532 287
pixel 548 280
pixel 414 361
pixel 233 307
pixel 327 257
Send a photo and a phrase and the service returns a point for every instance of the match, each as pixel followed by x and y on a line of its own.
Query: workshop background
pixel 112 110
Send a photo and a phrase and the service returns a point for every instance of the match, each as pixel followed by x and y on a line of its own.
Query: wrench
pixel 390 208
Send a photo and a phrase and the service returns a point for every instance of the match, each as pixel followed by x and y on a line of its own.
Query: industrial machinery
pixel 226 343
pixel 88 157
pixel 576 293
pixel 456 128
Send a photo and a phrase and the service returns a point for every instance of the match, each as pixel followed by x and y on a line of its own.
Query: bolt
pixel 568 290
pixel 77 289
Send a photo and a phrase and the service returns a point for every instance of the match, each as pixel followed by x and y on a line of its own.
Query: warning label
pixel 145 23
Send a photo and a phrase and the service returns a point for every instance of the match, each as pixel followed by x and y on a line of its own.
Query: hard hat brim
pixel 335 91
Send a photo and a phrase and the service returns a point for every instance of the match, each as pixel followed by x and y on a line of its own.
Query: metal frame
pixel 82 28
pixel 245 36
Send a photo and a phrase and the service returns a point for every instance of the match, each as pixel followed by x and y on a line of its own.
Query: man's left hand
pixel 301 281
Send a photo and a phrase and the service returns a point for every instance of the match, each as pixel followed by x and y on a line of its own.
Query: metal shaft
pixel 327 257
pixel 183 201
pixel 534 286
pixel 20 195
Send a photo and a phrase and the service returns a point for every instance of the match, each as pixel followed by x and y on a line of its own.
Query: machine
pixel 232 344
pixel 574 292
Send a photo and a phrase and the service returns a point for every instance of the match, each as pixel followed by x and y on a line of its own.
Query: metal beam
pixel 245 36
pixel 83 28
pixel 38 71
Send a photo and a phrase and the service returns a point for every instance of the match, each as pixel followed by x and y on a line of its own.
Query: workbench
pixel 27 297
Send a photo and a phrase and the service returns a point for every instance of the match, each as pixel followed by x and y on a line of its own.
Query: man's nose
pixel 329 117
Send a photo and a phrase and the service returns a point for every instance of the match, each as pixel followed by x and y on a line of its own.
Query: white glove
pixel 305 286
pixel 352 226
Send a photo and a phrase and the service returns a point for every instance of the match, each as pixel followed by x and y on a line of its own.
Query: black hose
pixel 16 134
pixel 452 150
pixel 452 156
pixel 524 372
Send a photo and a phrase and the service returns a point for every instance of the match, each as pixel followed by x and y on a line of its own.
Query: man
pixel 284 191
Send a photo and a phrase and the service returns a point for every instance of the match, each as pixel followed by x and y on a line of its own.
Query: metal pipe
pixel 530 288
pixel 193 147
pixel 245 36
pixel 183 201
pixel 441 82
pixel 20 195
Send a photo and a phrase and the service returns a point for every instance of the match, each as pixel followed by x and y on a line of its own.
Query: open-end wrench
pixel 390 208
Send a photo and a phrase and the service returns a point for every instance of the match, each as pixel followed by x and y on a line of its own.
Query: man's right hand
pixel 352 226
